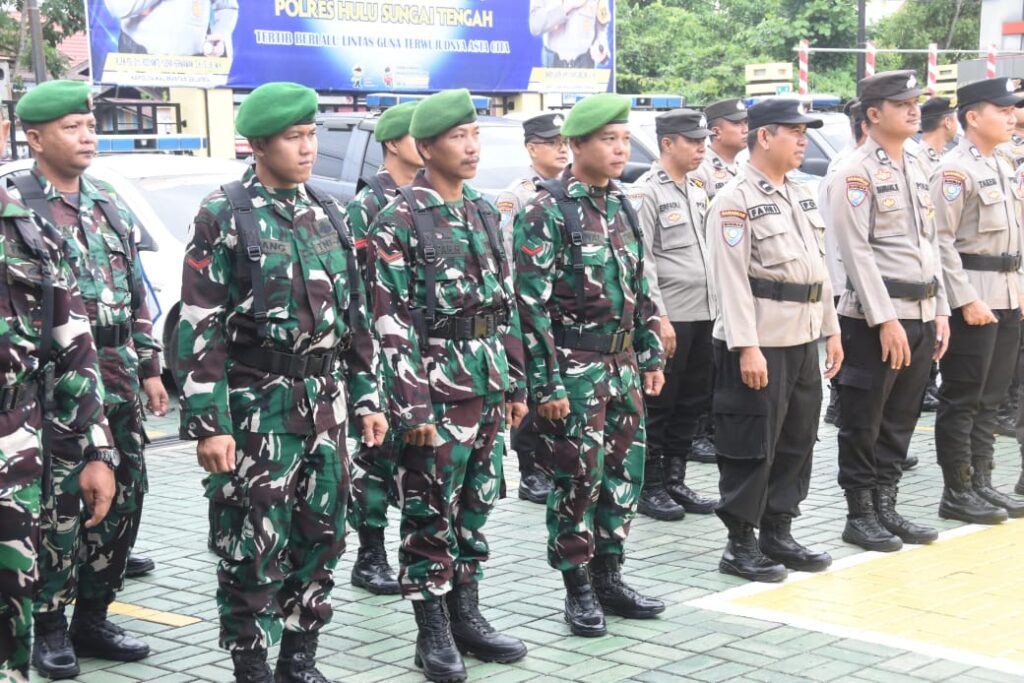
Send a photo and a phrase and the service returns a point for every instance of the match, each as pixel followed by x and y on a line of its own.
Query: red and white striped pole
pixel 933 68
pixel 804 45
pixel 869 58
pixel 990 63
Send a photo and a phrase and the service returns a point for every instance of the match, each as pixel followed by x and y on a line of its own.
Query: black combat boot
pixel 296 662
pixel 981 482
pixel 583 612
pixel 93 635
pixel 909 462
pixel 895 523
pixel 930 401
pixel 473 634
pixel 1006 414
pixel 655 501
pixel 371 569
pixel 862 526
pixel 534 486
pixel 960 502
pixel 1019 488
pixel 52 654
pixel 743 556
pixel 251 666
pixel 615 595
pixel 777 542
pixel 675 484
pixel 832 411
pixel 138 566
pixel 436 653
pixel 703 447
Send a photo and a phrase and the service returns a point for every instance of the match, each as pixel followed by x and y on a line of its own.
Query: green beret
pixel 51 100
pixel 272 107
pixel 394 123
pixel 441 111
pixel 595 111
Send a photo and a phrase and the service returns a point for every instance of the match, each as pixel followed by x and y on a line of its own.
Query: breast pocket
pixel 890 216
pixel 992 215
pixel 675 231
pixel 119 274
pixel 25 283
pixel 818 227
pixel 772 242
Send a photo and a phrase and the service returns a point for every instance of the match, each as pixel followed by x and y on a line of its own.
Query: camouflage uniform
pixel 373 468
pixel 596 454
pixel 277 521
pixel 448 490
pixel 77 414
pixel 75 562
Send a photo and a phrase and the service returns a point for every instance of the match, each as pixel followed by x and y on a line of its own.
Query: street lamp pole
pixel 36 27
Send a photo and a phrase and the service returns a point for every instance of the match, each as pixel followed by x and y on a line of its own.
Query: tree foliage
pixel 953 24
pixel 61 18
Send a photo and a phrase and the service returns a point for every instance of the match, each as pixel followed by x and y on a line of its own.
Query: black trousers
pixel 976 373
pixel 673 416
pixel 765 438
pixel 525 441
pixel 879 405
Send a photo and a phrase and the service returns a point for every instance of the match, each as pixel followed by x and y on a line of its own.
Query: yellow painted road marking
pixel 153 615
pixel 961 598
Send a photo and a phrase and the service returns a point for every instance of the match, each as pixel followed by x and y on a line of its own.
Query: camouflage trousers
pixel 373 473
pixel 595 458
pixel 278 525
pixel 90 563
pixel 446 494
pixel 19 520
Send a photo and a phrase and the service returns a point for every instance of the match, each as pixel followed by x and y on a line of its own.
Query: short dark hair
pixel 961 113
pixel 933 122
pixel 384 150
pixel 868 104
pixel 772 128
pixel 856 127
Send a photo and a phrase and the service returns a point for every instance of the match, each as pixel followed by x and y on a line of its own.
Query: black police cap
pixel 689 123
pixel 785 110
pixel 544 126
pixel 935 107
pixel 889 85
pixel 730 110
pixel 998 91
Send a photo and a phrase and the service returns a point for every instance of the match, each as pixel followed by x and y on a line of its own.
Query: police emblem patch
pixel 856 190
pixel 505 209
pixel 952 185
pixel 732 232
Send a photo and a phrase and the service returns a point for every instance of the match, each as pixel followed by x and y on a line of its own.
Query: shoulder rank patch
pixel 199 264
pixel 952 185
pixel 856 190
pixel 390 257
pixel 532 251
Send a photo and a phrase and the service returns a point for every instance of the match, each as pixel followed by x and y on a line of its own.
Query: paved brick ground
pixel 371 638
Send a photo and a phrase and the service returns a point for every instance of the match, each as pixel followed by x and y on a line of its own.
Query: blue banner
pixel 356 46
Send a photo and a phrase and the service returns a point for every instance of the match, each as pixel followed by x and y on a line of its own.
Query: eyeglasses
pixel 554 142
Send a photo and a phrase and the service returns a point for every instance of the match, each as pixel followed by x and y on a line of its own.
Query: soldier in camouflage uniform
pixel 66 371
pixel 549 155
pixel 274 349
pixel 449 330
pixel 373 468
pixel 591 332
pixel 88 566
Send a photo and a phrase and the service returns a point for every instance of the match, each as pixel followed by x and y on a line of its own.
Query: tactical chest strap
pixel 569 208
pixel 424 226
pixel 250 248
pixel 377 189
pixel 32 196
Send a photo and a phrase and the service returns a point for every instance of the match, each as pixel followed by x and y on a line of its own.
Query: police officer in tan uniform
pixel 677 269
pixel 727 120
pixel 767 247
pixel 893 314
pixel 976 201
pixel 549 155
pixel 575 32
pixel 938 130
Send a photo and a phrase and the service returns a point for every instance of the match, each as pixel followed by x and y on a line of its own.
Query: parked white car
pixel 163 192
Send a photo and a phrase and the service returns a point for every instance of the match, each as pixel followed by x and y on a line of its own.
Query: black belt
pixel 594 341
pixel 18 396
pixel 462 327
pixel 1004 263
pixel 294 365
pixel 915 291
pixel 111 336
pixel 786 291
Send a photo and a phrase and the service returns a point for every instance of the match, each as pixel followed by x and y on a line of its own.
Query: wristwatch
pixel 110 456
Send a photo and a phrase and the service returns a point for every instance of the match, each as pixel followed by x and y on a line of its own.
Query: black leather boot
pixel 895 523
pixel 655 501
pixel 1006 414
pixel 703 447
pixel 675 484
pixel 930 402
pixel 534 486
pixel 93 635
pixel 52 654
pixel 960 502
pixel 1019 488
pixel 743 557
pixel 251 666
pixel 138 566
pixel 615 595
pixel 862 525
pixel 832 411
pixel 909 463
pixel 473 634
pixel 981 482
pixel 583 612
pixel 436 653
pixel 371 569
pixel 296 662
pixel 777 542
